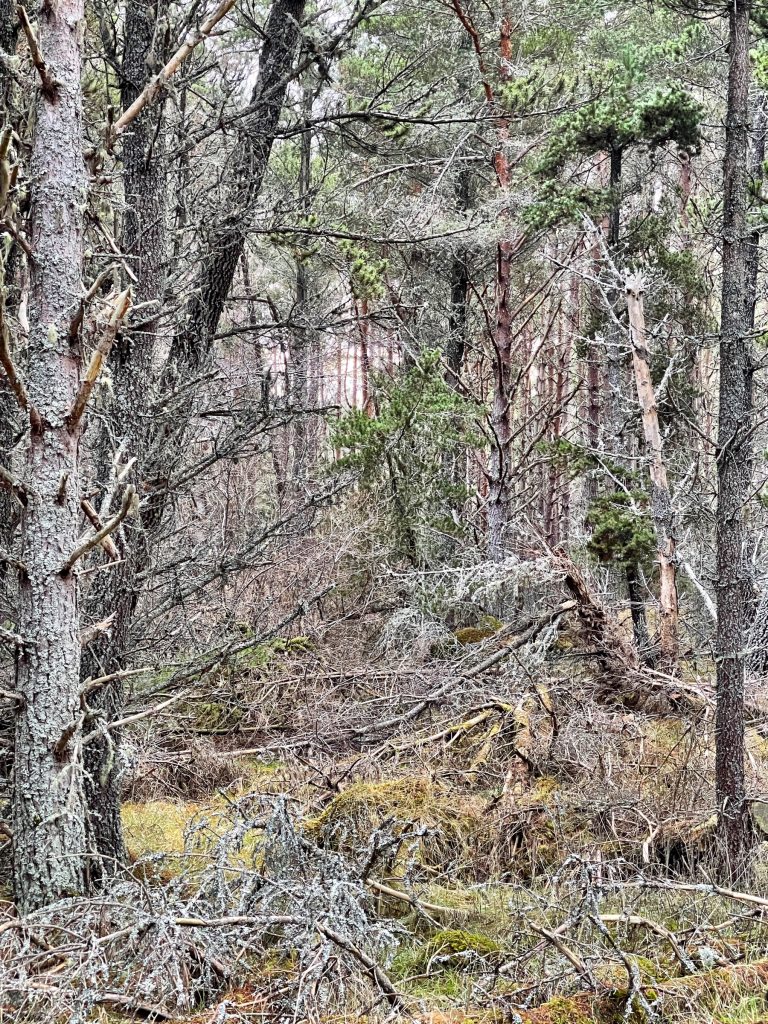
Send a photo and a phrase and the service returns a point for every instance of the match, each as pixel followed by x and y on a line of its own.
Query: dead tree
pixel 661 500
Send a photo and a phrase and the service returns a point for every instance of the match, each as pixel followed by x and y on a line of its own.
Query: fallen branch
pixel 567 952
pixel 493 659
pixel 658 929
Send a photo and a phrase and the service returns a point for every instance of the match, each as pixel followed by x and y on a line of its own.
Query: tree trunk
pixel 661 501
pixel 116 591
pixel 192 345
pixel 734 457
pixel 48 815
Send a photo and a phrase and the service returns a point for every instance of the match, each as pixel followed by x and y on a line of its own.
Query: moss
pixel 450 822
pixel 454 945
pixel 580 1009
pixel 474 634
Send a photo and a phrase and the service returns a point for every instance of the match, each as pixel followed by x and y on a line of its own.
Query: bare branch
pixel 6 360
pixel 99 357
pixel 95 520
pixel 50 85
pixel 96 538
pixel 12 484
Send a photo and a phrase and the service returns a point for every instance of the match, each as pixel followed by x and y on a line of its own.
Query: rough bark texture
pixel 49 835
pixel 116 591
pixel 661 500
pixel 734 460
pixel 9 413
pixel 192 345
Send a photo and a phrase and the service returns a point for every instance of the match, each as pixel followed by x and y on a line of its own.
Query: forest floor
pixel 525 847
pixel 398 818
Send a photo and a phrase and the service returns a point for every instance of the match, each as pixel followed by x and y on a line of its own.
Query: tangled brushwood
pixel 249 887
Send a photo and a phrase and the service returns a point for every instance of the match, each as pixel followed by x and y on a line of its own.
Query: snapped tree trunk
pixel 734 456
pixel 48 815
pixel 661 501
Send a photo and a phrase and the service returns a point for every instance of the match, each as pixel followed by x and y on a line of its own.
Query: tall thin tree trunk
pixel 48 812
pixel 734 456
pixel 116 592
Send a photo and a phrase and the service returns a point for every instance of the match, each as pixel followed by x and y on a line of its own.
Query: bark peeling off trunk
pixel 49 837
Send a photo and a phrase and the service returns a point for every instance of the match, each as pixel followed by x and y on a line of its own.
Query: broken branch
pixel 50 85
pixel 99 357
pixel 194 38
pixel 96 538
pixel 94 519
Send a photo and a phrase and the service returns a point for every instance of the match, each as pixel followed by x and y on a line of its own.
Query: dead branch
pixel 567 952
pixel 149 94
pixel 99 357
pixel 95 630
pixel 49 84
pixel 658 929
pixel 96 538
pixel 95 520
pixel 6 359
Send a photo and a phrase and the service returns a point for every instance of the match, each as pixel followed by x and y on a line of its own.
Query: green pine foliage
pixel 399 454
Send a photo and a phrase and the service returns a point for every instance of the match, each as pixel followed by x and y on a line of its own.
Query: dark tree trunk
pixel 48 813
pixel 192 345
pixel 734 456
pixel 116 591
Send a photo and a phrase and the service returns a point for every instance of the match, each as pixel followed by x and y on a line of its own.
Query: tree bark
pixel 661 501
pixel 48 815
pixel 192 345
pixel 144 243
pixel 734 457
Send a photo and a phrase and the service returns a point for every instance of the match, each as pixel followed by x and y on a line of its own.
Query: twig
pixel 99 357
pixel 11 639
pixel 13 485
pixel 653 926
pixel 567 952
pixel 130 719
pixel 50 85
pixel 96 538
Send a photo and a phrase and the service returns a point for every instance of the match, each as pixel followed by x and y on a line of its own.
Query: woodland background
pixel 383 587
